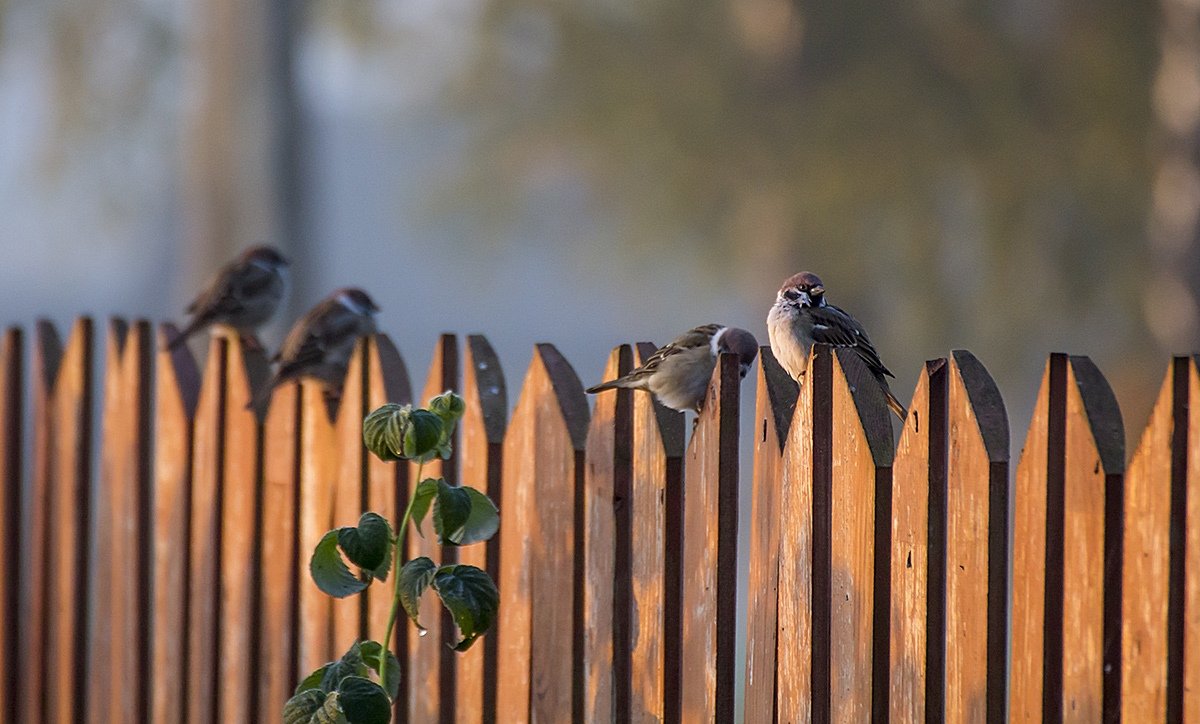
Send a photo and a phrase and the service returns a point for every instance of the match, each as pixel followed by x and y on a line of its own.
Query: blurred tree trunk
pixel 1172 296
pixel 243 132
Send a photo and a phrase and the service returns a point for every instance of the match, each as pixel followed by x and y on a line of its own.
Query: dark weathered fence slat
pixel 481 457
pixel 1189 565
pixel 12 352
pixel 540 668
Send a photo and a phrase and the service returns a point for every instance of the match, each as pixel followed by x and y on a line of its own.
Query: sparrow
pixel 320 343
pixel 243 295
pixel 801 317
pixel 677 374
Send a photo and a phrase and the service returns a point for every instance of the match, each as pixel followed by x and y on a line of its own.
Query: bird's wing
pixel 833 326
pixel 696 337
pixel 322 328
pixel 233 285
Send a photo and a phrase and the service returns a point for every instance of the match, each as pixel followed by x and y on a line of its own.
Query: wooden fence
pixel 155 545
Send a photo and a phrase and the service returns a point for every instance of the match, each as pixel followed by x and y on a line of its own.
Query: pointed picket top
pixel 870 403
pixel 918 492
pixel 12 348
pixel 177 390
pixel 480 452
pixel 775 405
pixel 542 497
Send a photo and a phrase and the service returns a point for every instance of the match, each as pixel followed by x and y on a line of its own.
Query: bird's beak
pixel 803 300
pixel 818 290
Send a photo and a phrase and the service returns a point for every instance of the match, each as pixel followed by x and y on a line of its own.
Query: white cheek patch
pixel 715 344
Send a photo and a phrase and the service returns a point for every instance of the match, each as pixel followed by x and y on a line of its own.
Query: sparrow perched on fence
pixel 243 295
pixel 801 317
pixel 321 342
pixel 678 373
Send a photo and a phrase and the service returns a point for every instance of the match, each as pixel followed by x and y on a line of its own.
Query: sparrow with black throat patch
pixel 242 296
pixel 801 317
pixel 677 374
pixel 320 343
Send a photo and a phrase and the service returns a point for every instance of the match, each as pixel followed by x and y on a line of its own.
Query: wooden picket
pixel 910 582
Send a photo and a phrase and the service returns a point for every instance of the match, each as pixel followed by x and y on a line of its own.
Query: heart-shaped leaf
pixel 422 435
pixel 370 653
pixel 472 598
pixel 448 406
pixel 369 546
pixel 313 680
pixel 364 702
pixel 415 577
pixel 329 571
pixel 351 664
pixel 451 510
pixel 301 707
pixel 422 498
pixel 383 431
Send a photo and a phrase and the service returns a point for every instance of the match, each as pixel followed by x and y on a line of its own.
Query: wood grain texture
pixel 318 460
pixel 1147 561
pixel 609 467
pixel 69 519
pixel 710 552
pixel 239 626
pixel 280 564
pixel 543 467
pixel 909 560
pixel 118 681
pixel 177 389
pixel 431 685
pixel 1029 567
pixel 1191 616
pixel 976 544
pixel 481 459
pixel 774 406
pixel 348 487
pixel 656 490
pixel 12 368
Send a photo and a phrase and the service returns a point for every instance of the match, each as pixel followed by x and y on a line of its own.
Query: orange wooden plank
pixel 774 407
pixel 241 501
pixel 318 459
pixel 656 496
pixel 386 489
pixel 1147 563
pixel 710 552
pixel 609 468
pixel 11 577
pixel 121 556
pixel 795 647
pixel 430 662
pixel 349 490
pixel 481 459
pixel 912 476
pixel 69 520
pixel 1029 565
pixel 976 544
pixel 542 498
pixel 177 387
pixel 281 564
pixel 1191 616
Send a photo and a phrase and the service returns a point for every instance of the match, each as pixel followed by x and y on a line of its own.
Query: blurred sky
pixel 1012 177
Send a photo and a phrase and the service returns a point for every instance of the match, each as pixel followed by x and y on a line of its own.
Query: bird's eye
pixel 791 294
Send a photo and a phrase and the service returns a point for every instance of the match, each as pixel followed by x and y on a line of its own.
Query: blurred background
pixel 1013 177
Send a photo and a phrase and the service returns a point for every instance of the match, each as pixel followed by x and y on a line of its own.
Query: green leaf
pixel 351 664
pixel 415 577
pixel 422 497
pixel 330 712
pixel 329 571
pixel 451 511
pixel 369 545
pixel 448 406
pixel 384 429
pixel 482 523
pixel 370 653
pixel 313 680
pixel 301 707
pixel 422 436
pixel 364 701
pixel 472 598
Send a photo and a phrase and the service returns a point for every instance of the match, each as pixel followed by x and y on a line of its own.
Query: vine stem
pixel 385 645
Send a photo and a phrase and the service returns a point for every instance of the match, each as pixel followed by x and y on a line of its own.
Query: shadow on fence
pixel 907 581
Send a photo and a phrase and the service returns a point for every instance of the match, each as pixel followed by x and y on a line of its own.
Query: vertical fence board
pixel 609 467
pixel 11 481
pixel 1029 570
pixel 118 682
pixel 240 551
pixel 69 520
pixel 976 544
pixel 349 469
pixel 318 457
pixel 431 682
pixel 774 406
pixel 540 674
pixel 481 448
pixel 280 563
pixel 911 481
pixel 710 552
pixel 386 489
pixel 1191 623
pixel 177 387
pixel 656 511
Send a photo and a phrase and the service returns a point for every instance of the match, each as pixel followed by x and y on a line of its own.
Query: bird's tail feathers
pixel 192 327
pixel 895 405
pixel 620 383
pixel 263 397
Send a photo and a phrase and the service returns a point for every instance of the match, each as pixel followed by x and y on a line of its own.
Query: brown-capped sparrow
pixel 243 295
